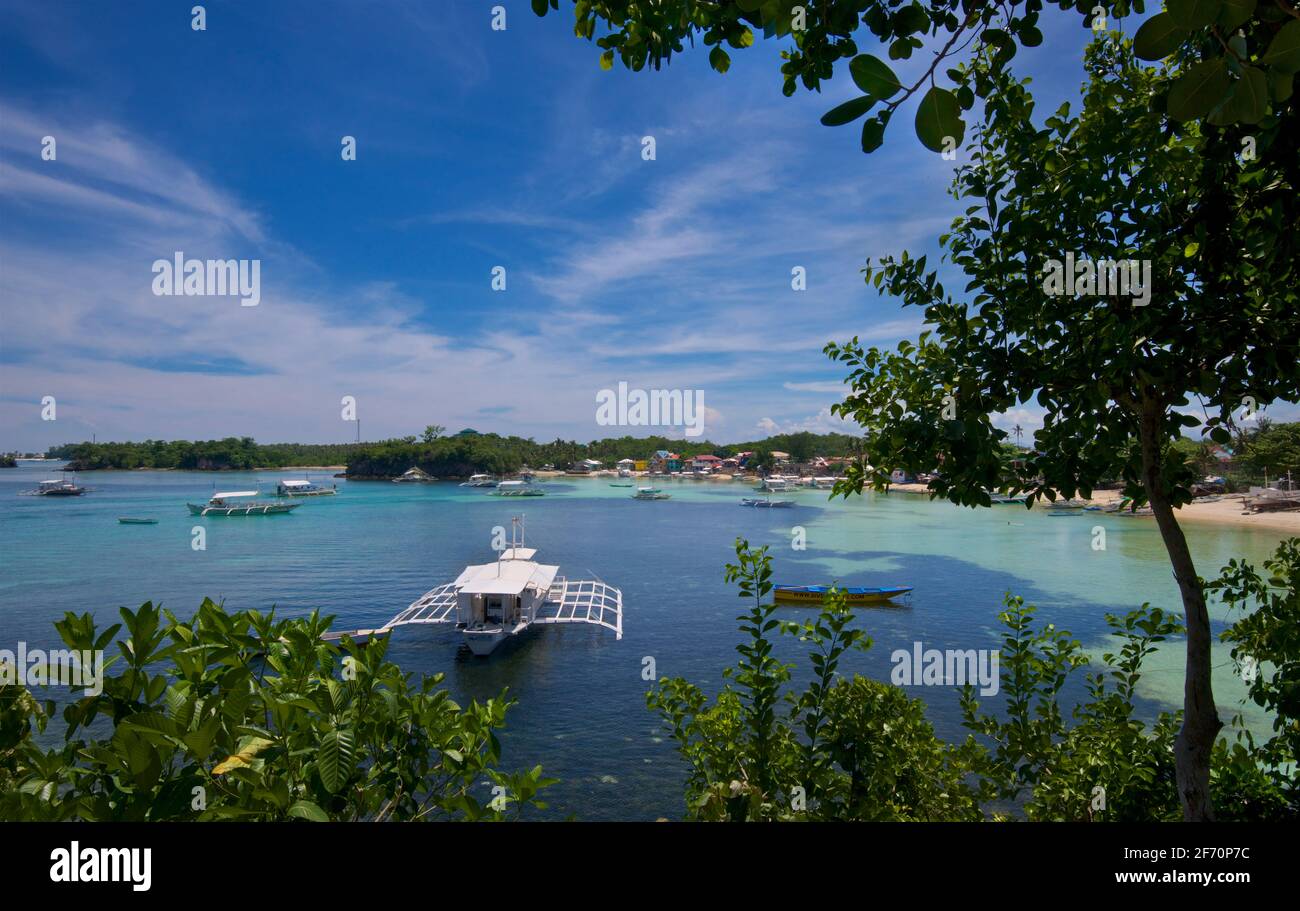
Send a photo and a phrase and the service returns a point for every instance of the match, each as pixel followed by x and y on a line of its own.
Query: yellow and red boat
pixel 814 594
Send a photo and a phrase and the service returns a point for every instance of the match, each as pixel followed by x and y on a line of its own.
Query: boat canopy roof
pixel 295 483
pixel 234 493
pixel 518 553
pixel 505 577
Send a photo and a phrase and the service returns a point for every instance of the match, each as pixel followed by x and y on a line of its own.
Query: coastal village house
pixel 663 461
pixel 625 464
pixel 705 462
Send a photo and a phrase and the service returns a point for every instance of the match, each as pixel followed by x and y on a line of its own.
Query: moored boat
pixel 236 503
pixel 480 480
pixel 58 487
pixel 414 475
pixel 766 503
pixel 493 602
pixel 516 489
pixel 304 488
pixel 813 594
pixel 650 493
pixel 128 520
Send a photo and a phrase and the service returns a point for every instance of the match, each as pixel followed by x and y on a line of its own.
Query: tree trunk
pixel 1201 724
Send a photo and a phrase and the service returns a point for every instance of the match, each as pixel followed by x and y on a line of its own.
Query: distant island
pixel 457 455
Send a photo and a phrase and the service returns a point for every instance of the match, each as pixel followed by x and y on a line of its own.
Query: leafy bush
pixel 242 716
pixel 857 749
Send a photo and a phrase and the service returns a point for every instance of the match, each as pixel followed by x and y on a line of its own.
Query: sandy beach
pixel 1227 511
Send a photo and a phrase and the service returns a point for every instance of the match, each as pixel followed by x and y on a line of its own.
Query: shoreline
pixel 1224 512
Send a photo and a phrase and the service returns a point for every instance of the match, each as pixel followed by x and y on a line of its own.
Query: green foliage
pixel 232 453
pixel 838 749
pixel 858 749
pixel 466 453
pixel 1271 448
pixel 1245 80
pixel 1266 648
pixel 1114 182
pixel 242 716
pixel 1055 769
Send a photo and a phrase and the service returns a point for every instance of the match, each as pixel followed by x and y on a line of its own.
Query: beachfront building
pixel 705 462
pixel 664 461
pixel 781 458
pixel 625 465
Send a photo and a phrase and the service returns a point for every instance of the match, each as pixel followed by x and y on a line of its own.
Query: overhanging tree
pixel 1238 55
pixel 1120 182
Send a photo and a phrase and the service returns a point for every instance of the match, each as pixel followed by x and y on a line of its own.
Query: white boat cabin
pixel 491 602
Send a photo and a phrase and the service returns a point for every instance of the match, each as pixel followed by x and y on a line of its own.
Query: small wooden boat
pixel 127 520
pixel 622 485
pixel 767 503
pixel 813 594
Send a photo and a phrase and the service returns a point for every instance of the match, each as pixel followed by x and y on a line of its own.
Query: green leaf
pixel 1199 90
pixel 607 60
pixel 1250 98
pixel 305 809
pixel 873 135
pixel 539 7
pixel 1158 37
pixel 1284 50
pixel 1280 84
pixel 1192 14
pixel 1234 13
pixel 334 759
pixel 873 76
pixel 719 60
pixel 848 112
pixel 938 118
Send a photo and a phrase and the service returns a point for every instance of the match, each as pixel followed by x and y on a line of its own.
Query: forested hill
pixel 230 454
pixel 450 456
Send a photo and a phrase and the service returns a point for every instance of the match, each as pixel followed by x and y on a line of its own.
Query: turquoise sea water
pixel 370 551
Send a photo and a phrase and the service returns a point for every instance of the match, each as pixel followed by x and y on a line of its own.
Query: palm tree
pixel 1019 432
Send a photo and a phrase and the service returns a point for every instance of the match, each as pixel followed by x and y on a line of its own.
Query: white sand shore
pixel 1227 511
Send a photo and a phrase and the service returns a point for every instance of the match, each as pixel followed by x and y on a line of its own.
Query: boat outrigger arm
pixel 567 601
pixel 492 602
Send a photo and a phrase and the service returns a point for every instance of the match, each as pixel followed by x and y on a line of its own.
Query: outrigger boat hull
pixel 814 594
pixel 247 509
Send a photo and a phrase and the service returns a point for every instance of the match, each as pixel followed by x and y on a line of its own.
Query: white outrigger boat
pixel 233 503
pixel 480 480
pixel 516 489
pixel 58 487
pixel 304 488
pixel 492 602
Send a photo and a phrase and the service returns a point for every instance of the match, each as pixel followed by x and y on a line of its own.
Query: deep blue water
pixel 370 551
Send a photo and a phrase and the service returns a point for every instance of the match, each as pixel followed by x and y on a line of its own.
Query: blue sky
pixel 475 149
